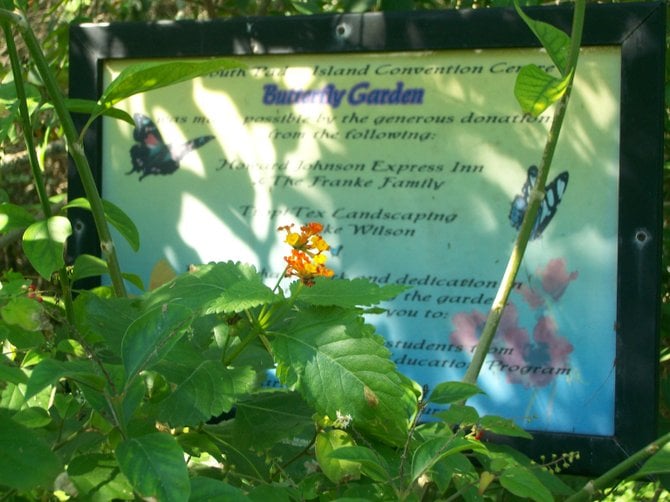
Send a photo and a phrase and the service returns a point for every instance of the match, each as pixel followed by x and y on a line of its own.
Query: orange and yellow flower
pixel 306 260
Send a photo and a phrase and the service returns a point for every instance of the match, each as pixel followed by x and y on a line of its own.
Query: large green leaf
pixel 555 41
pixel 346 293
pixel 208 391
pixel 27 461
pixel 154 465
pixel 142 77
pixel 659 463
pixel 338 364
pixel 116 217
pixel 522 483
pixel 219 287
pixel 433 450
pixel 23 312
pixel 335 468
pixel 207 489
pixel 536 90
pixel 13 217
pixel 98 479
pixel 49 371
pixel 152 335
pixel 451 392
pixel 265 418
pixel 44 244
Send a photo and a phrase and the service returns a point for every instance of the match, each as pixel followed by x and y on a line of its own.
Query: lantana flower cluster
pixel 307 260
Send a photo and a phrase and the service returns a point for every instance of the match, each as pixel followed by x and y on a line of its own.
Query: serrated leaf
pixel 452 392
pixel 44 244
pixel 142 77
pixel 208 391
pixel 503 427
pixel 335 469
pixel 554 40
pixel 240 296
pixel 337 363
pixel 154 465
pixel 49 371
pixel 104 319
pixel 116 217
pixel 346 293
pixel 13 217
pixel 522 483
pixel 152 335
pixel 218 287
pixel 536 90
pixel 27 461
pixel 459 415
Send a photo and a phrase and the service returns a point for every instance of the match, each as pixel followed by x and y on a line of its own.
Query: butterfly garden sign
pixel 400 133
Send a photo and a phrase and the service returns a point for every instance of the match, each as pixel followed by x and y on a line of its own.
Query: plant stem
pixel 75 147
pixel 32 154
pixel 592 487
pixel 537 194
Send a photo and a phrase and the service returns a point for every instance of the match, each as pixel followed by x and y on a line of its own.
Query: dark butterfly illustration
pixel 150 155
pixel 553 195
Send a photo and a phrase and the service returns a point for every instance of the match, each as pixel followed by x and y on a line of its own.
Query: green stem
pixel 32 154
pixel 75 147
pixel 592 487
pixel 498 305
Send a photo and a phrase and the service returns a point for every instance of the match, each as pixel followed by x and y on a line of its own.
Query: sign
pixel 408 145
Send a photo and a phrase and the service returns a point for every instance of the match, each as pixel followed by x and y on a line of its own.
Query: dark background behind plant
pixel 51 19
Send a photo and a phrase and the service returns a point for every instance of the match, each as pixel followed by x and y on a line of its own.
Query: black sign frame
pixel 638 29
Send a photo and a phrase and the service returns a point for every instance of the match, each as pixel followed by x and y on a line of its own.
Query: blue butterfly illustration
pixel 150 155
pixel 553 195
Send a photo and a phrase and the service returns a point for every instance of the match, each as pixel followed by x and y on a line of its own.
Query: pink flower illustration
pixel 531 363
pixel 555 278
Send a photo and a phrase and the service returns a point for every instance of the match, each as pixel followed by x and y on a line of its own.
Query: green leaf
pixel 213 288
pixel 13 217
pixel 206 489
pixel 152 335
pixel 240 296
pixel 659 463
pixel 459 415
pixel 372 463
pixel 265 418
pixel 98 479
pixel 208 391
pixel 522 483
pixel 27 461
pixel 431 451
pixel 32 417
pixel 44 244
pixel 335 469
pixel 503 427
pixel 536 90
pixel 555 41
pixel 12 374
pixel 23 312
pixel 89 107
pixel 346 293
pixel 116 217
pixel 104 319
pixel 338 364
pixel 451 392
pixel 49 371
pixel 87 265
pixel 142 77
pixel 154 465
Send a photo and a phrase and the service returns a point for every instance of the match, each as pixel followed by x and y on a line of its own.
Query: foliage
pixel 213 385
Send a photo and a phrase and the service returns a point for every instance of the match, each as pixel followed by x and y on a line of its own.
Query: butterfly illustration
pixel 150 155
pixel 553 195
